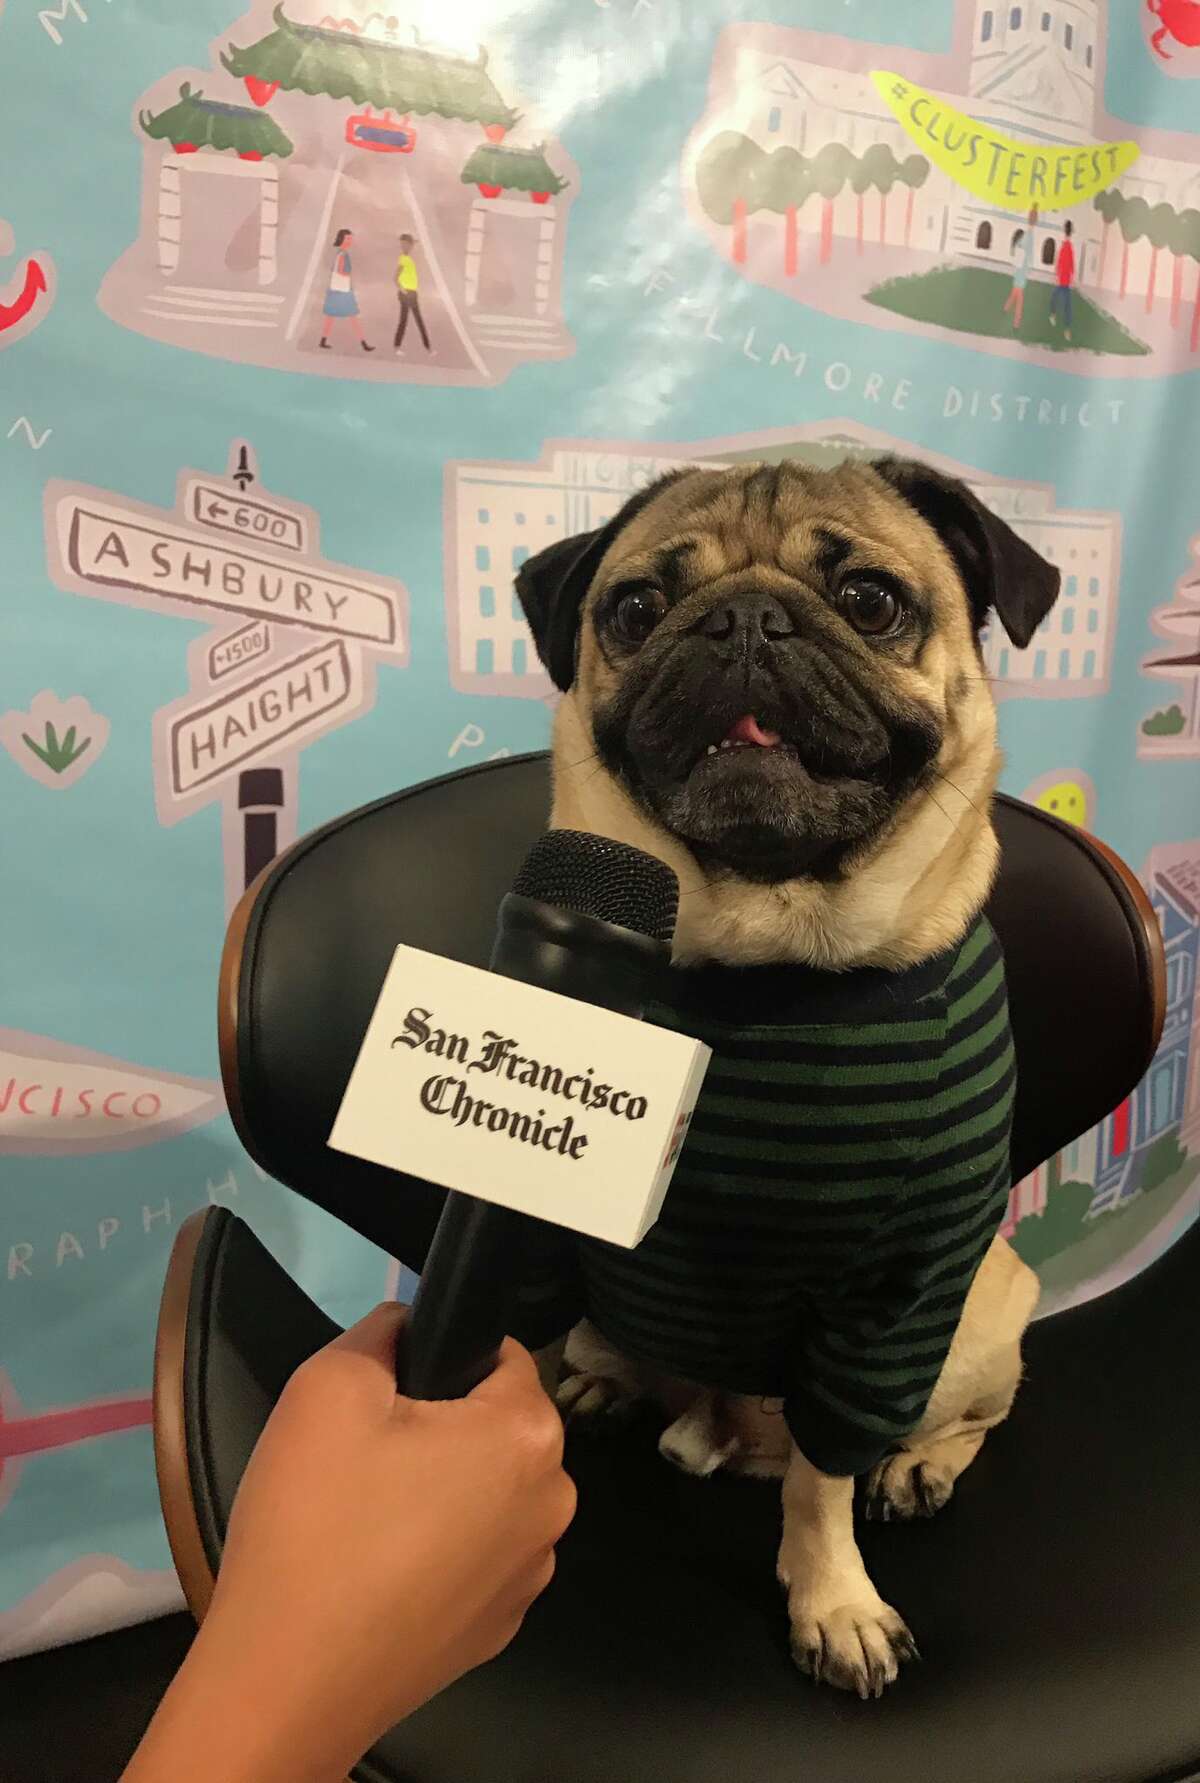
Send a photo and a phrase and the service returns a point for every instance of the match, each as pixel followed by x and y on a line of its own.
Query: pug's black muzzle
pixel 851 747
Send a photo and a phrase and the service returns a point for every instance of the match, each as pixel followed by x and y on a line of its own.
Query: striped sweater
pixel 845 1171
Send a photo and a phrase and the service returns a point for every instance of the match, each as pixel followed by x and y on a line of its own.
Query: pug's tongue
pixel 749 730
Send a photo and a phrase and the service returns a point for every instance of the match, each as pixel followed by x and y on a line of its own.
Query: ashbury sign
pixel 520 1096
pixel 218 560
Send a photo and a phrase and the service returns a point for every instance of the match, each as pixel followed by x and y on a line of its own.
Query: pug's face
pixel 773 660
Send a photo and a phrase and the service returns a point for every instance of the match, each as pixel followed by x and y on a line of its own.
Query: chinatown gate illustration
pixel 306 131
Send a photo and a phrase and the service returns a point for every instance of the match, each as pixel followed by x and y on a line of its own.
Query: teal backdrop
pixel 314 321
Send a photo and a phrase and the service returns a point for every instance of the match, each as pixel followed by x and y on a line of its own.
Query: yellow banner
pixel 1011 174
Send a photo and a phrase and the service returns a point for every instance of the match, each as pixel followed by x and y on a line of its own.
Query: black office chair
pixel 1056 1600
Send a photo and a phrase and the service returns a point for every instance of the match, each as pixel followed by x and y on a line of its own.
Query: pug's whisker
pixel 945 778
pixel 950 820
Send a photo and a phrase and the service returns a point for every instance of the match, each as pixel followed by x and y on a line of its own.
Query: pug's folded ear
pixel 999 571
pixel 553 586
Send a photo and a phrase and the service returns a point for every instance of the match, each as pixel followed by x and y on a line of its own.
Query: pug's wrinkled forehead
pixel 698 525
pixel 709 524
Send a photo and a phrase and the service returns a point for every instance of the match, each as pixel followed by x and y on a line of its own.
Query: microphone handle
pixel 461 1311
pixel 463 1306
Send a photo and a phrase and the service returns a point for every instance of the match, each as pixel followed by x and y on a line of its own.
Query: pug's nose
pixel 742 621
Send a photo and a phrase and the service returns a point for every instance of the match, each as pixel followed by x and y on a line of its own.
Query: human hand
pixel 379 1547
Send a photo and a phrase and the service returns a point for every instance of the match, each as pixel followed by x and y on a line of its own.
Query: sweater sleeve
pixel 871 1358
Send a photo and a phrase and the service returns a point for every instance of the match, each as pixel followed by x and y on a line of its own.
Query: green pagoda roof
pixel 521 170
pixel 316 59
pixel 212 123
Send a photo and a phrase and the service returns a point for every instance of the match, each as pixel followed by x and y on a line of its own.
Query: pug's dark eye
pixel 870 607
pixel 635 613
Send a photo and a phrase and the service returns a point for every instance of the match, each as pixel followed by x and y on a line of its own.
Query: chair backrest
pixel 309 945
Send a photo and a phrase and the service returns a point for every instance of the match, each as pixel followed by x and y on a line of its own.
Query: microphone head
pixel 598 877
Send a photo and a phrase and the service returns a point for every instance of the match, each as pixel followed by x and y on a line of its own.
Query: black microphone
pixel 591 919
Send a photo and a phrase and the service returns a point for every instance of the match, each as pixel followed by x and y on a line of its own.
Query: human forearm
pixel 227 1715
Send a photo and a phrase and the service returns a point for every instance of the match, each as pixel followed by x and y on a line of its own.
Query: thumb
pixel 513 1381
pixel 375 1337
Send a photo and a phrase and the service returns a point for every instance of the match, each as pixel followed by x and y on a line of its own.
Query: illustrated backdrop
pixel 313 324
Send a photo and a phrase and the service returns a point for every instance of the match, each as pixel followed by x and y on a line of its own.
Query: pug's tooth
pixel 712 749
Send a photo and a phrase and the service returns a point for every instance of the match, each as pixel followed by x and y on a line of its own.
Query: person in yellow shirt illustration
pixel 407 285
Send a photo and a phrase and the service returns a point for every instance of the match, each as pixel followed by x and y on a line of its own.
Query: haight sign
pixel 61 1100
pixel 291 702
pixel 292 654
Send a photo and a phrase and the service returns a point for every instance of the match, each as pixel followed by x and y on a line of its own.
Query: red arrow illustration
pixel 31 290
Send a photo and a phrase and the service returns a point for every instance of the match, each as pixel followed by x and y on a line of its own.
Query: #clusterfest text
pixel 495 1055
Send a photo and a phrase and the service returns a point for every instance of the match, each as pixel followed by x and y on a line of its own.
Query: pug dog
pixel 772 681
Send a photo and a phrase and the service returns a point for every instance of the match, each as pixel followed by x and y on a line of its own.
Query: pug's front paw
pixel 905 1486
pixel 855 1646
pixel 592 1398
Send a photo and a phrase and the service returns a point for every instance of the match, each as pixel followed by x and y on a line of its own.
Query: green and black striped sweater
pixel 845 1171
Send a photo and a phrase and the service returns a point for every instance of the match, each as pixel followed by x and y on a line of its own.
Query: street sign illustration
pixel 292 654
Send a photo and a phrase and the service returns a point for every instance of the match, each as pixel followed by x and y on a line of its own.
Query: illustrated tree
pixel 860 185
pixel 1109 204
pixel 831 166
pixel 730 176
pixel 1160 225
pixel 1188 238
pixel 914 172
pixel 783 185
pixel 878 170
pixel 1133 220
pixel 1175 242
pixel 871 171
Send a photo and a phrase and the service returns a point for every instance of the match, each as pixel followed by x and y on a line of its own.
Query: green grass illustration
pixel 57 756
pixel 971 299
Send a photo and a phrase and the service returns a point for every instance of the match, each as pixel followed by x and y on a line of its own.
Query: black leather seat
pixel 1056 1600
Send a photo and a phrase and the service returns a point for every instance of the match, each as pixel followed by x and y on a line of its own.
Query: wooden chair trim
pixel 170 1424
pixel 229 991
pixel 1152 933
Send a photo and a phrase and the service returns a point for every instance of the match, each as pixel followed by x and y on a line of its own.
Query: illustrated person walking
pixel 341 305
pixel 407 290
pixel 1064 272
pixel 1023 251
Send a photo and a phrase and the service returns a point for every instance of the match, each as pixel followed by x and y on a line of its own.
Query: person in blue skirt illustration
pixel 1022 248
pixel 341 305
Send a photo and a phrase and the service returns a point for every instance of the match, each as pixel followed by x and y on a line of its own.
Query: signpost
pixel 294 655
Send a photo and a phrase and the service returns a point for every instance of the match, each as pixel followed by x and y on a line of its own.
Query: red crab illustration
pixel 1180 21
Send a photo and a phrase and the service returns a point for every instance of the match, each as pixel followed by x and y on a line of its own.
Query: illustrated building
pixel 1032 74
pixel 1169 1095
pixel 1071 652
pixel 498 514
